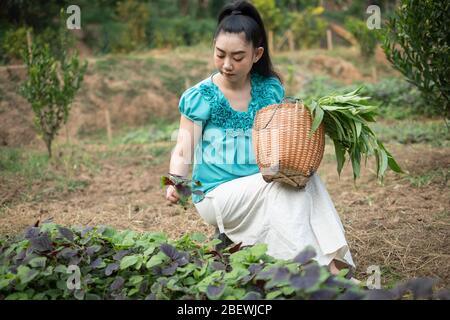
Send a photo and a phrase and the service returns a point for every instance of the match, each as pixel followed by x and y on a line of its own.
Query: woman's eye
pixel 240 59
pixel 221 57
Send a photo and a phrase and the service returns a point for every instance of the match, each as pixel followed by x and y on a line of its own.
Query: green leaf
pixel 128 261
pixel 340 156
pixel 133 291
pixel 258 251
pixel 149 251
pixel 199 237
pixel 156 260
pixel 60 269
pixel 318 116
pixel 4 283
pixel 135 280
pixel 273 294
pixel 38 262
pixel 26 274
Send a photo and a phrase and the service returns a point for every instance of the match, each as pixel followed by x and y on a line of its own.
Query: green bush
pixel 308 27
pixel 180 31
pixel 398 99
pixel 14 43
pixel 416 43
pixel 51 87
pixel 54 262
pixel 135 15
pixel 367 39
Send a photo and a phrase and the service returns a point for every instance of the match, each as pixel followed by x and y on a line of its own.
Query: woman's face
pixel 234 56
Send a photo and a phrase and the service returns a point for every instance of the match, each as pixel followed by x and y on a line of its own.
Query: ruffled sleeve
pixel 276 87
pixel 194 107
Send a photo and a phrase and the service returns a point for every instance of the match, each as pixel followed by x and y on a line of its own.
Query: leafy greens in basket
pixel 346 119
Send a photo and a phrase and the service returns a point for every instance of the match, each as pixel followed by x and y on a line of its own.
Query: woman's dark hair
pixel 242 16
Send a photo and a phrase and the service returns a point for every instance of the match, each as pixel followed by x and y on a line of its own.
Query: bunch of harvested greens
pixel 346 120
pixel 182 185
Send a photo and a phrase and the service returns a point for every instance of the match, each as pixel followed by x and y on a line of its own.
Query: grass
pixel 29 164
pixel 59 174
pixel 432 132
pixel 440 175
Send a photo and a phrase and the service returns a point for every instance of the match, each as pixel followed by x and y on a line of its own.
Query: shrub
pixel 308 27
pixel 54 262
pixel 181 31
pixel 135 16
pixel 398 99
pixel 51 87
pixel 416 43
pixel 14 43
pixel 367 39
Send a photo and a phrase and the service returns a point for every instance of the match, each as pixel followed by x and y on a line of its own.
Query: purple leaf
pixel 305 255
pixel 252 296
pixel 119 255
pixel 86 230
pixel 443 294
pixel 308 279
pixel 214 292
pixel 20 256
pixel 351 295
pixel 334 282
pixel 379 294
pixel 111 268
pixel 96 263
pixel 182 259
pixel 422 288
pixel 184 191
pixel 399 290
pixel 216 266
pixel 75 260
pixel 41 243
pixel 67 253
pixel 66 233
pixel 117 284
pixel 281 274
pixel 31 232
pixel 255 268
pixel 151 296
pixel 323 294
pixel 92 249
pixel 266 275
pixel 169 250
pixel 170 270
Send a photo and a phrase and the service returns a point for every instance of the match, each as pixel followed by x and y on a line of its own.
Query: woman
pixel 217 115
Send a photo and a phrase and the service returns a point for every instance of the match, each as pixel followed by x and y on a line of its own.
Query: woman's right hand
pixel 172 194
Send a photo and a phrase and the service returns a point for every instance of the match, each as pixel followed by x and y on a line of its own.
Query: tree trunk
pixel 329 40
pixel 48 143
pixel 184 7
pixel 290 36
pixel 270 40
pixel 29 45
pixel 108 124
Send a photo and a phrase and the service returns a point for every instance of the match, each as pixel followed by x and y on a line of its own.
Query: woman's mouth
pixel 228 74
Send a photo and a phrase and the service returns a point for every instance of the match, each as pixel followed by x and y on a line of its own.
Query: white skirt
pixel 287 219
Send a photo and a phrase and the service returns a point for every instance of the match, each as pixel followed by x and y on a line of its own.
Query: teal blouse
pixel 225 150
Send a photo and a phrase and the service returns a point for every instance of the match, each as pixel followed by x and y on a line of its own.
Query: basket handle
pixel 285 99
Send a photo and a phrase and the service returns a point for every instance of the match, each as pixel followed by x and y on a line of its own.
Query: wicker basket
pixel 283 149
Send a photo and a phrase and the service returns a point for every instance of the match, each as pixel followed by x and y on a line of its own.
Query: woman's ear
pixel 258 54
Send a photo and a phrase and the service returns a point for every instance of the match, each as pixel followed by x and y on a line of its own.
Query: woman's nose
pixel 227 65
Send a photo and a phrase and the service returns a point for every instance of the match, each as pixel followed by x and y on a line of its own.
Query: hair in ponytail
pixel 242 16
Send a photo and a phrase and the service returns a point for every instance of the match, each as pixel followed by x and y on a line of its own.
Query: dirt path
pixel 402 227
